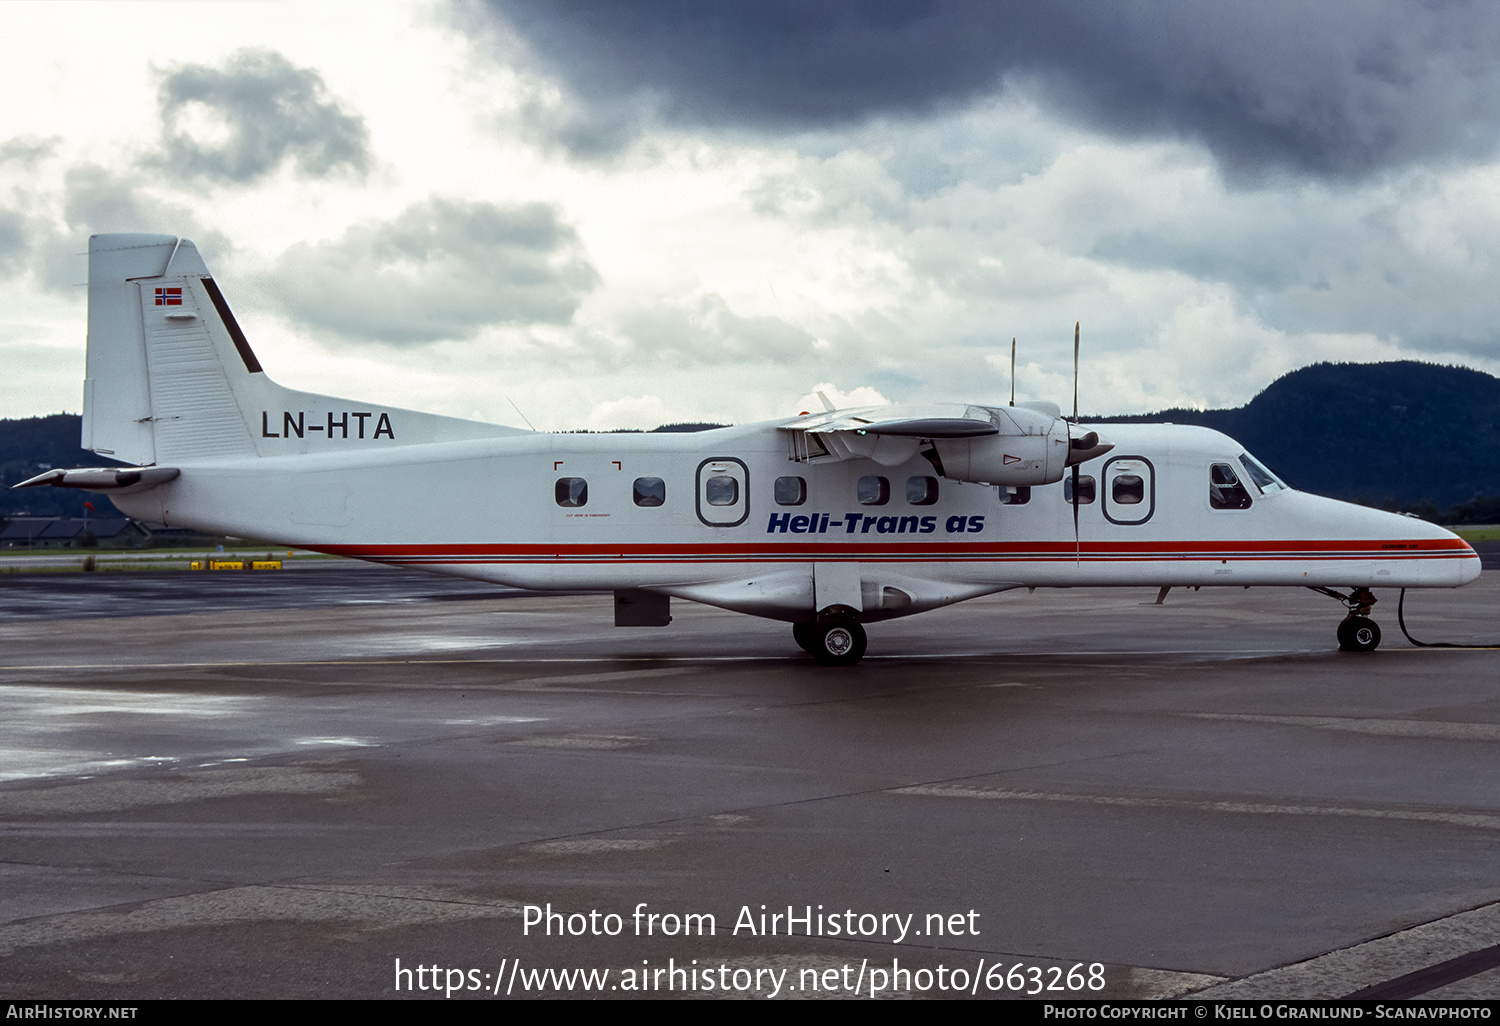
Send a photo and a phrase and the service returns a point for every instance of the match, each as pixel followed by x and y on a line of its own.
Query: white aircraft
pixel 828 521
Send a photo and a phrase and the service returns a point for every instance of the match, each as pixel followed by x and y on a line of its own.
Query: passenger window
pixel 721 491
pixel 1017 496
pixel 650 491
pixel 1128 489
pixel 1085 489
pixel 572 491
pixel 921 491
pixel 790 491
pixel 1224 488
pixel 873 491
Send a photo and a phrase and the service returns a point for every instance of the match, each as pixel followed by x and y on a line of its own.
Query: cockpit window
pixel 1265 481
pixel 1224 488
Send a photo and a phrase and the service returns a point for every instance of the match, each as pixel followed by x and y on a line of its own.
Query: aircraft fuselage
pixel 508 510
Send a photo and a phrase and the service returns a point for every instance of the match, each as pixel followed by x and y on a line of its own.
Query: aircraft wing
pixel 1017 445
pixel 889 435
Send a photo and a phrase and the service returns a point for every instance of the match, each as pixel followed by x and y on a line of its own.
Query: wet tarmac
pixel 280 785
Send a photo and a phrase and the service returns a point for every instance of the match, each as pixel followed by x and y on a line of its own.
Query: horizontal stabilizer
pixel 103 479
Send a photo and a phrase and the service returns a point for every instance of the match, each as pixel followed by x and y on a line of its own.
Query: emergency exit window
pixel 571 491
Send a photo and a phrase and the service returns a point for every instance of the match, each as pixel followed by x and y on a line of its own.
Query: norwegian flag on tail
pixel 169 297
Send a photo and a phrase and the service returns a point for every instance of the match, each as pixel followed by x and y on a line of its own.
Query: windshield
pixel 1265 481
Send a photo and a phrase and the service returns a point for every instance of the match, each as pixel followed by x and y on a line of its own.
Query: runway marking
pixel 371 909
pixel 776 657
pixel 1479 821
pixel 599 742
pixel 1373 963
pixel 1442 729
pixel 336 742
pixel 594 846
pixel 59 701
pixel 117 795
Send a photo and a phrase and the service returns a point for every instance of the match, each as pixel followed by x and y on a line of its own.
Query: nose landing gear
pixel 1357 632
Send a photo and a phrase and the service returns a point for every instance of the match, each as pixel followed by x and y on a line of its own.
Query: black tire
pixel 806 636
pixel 840 641
pixel 1359 634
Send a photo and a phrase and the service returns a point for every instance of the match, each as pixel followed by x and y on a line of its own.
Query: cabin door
pixel 1129 492
pixel 723 492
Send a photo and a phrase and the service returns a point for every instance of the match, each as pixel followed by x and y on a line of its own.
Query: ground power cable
pixel 1401 619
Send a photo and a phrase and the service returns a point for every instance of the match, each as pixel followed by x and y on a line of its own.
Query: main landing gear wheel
pixel 838 641
pixel 1359 634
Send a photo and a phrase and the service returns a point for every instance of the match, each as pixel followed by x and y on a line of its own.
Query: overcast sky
pixel 623 214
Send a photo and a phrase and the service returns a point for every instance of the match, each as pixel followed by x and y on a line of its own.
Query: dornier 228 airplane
pixel 828 521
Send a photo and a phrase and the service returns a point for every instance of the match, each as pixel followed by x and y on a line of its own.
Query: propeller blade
pixel 1013 371
pixel 1077 540
pixel 1075 372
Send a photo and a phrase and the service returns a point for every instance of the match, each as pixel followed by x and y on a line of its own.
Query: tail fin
pixel 171 378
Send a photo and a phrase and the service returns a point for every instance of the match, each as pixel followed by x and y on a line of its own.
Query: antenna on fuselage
pixel 518 410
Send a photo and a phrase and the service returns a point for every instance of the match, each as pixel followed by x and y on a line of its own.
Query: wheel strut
pixel 1357 632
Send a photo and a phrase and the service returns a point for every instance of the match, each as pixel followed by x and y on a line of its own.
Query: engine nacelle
pixel 1033 447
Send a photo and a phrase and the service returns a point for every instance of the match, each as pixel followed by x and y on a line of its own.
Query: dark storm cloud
pixel 443 269
pixel 242 121
pixel 1337 89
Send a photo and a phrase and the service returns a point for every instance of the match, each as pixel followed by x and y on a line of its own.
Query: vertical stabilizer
pixel 172 379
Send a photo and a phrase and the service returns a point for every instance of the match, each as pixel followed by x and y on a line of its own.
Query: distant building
pixel 74 533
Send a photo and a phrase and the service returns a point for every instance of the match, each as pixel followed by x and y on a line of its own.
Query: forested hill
pixel 1410 436
pixel 1413 436
pixel 30 446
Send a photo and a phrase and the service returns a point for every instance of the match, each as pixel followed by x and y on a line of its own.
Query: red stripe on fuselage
pixel 1437 548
